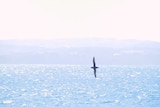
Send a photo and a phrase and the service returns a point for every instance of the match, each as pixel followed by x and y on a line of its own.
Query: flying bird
pixel 94 66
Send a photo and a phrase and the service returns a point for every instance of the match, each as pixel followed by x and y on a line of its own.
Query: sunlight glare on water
pixel 75 86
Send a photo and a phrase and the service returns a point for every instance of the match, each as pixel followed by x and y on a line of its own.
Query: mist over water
pixel 75 86
pixel 80 51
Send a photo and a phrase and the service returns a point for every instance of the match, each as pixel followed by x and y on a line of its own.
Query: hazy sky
pixel 120 19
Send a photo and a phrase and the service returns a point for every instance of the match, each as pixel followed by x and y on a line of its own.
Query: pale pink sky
pixel 119 19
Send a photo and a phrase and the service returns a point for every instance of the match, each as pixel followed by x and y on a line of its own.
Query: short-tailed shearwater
pixel 94 67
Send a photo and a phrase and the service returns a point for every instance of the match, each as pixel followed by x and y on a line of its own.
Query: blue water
pixel 75 86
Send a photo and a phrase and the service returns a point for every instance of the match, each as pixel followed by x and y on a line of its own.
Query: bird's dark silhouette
pixel 94 67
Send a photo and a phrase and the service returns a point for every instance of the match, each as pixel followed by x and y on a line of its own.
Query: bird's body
pixel 94 67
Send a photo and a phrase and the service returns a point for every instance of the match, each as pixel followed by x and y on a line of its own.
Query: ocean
pixel 76 86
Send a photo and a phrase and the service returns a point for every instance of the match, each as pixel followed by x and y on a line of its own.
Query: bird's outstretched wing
pixel 95 73
pixel 94 64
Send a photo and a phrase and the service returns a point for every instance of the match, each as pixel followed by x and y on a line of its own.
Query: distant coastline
pixel 80 51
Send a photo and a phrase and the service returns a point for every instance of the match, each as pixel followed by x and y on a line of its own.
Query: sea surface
pixel 76 86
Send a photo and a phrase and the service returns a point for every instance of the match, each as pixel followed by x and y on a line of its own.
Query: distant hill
pixel 80 51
